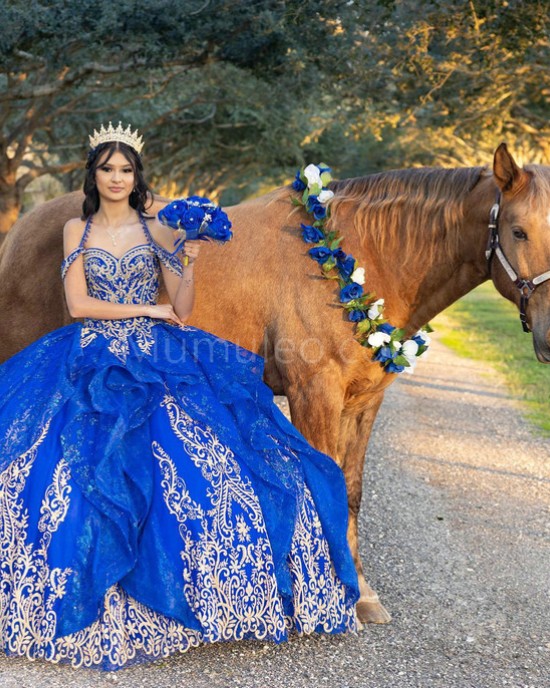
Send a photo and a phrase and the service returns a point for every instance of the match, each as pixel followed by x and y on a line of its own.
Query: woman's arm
pixel 81 305
pixel 181 290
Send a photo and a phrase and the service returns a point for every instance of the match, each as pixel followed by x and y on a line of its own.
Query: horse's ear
pixel 508 175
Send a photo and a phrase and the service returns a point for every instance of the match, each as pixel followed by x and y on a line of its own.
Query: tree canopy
pixel 233 95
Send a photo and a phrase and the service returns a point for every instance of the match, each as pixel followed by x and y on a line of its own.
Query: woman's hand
pixel 164 311
pixel 191 249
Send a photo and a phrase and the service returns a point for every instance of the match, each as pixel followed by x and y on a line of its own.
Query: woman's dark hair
pixel 140 197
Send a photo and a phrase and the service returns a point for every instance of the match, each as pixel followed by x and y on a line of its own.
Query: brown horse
pixel 421 234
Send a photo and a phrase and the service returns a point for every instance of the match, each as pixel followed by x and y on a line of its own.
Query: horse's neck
pixel 442 287
pixel 419 287
pixel 448 280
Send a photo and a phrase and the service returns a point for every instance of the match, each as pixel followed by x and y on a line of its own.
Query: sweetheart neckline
pixel 117 258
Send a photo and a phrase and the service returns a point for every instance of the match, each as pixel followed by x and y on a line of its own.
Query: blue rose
pixel 356 315
pixel 219 227
pixel 311 234
pixel 385 327
pixel 383 354
pixel 220 232
pixel 393 367
pixel 318 209
pixel 191 218
pixel 350 292
pixel 171 214
pixel 345 263
pixel 320 253
pixel 298 184
pixel 422 339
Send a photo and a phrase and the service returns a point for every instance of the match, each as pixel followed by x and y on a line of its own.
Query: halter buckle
pixel 526 287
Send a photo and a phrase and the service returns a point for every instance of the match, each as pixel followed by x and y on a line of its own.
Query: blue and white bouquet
pixel 196 217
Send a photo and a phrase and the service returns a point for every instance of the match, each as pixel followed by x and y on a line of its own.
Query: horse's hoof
pixel 372 611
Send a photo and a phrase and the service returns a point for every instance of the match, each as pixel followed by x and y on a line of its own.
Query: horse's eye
pixel 519 234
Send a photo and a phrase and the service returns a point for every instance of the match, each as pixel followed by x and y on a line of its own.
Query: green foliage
pixel 223 90
pixel 455 79
pixel 234 96
pixel 485 327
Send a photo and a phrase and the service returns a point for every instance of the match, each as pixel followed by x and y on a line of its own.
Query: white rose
pixel 426 338
pixel 375 308
pixel 358 276
pixel 313 176
pixel 325 195
pixel 396 345
pixel 377 339
pixel 409 350
pixel 410 369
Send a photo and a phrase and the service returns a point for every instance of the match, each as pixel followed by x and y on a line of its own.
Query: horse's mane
pixel 539 189
pixel 412 213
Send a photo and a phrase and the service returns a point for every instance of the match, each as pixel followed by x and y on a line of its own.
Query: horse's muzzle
pixel 542 346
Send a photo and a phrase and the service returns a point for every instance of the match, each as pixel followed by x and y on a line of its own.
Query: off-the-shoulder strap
pixel 169 260
pixel 73 255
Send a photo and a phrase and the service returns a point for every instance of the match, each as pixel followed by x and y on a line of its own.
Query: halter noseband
pixel 526 287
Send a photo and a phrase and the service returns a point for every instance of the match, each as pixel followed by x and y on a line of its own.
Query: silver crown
pixel 119 134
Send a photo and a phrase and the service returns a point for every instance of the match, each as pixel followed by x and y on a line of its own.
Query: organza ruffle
pixel 102 417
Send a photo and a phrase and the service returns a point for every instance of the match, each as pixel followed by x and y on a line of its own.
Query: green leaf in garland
pixel 364 326
pixel 305 196
pixel 334 244
pixel 326 177
pixel 296 201
pixel 314 190
pixel 398 334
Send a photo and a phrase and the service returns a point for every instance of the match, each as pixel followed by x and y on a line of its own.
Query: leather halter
pixel 526 287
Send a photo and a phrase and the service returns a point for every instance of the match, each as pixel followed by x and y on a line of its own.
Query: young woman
pixel 152 495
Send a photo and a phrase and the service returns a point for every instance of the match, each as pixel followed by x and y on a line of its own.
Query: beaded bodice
pixel 130 278
pixel 133 277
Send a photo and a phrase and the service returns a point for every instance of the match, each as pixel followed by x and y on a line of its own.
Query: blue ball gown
pixel 152 495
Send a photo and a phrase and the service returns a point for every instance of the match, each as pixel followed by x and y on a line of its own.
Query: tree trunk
pixel 10 202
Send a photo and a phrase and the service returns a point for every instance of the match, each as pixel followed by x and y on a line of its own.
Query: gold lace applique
pixel 118 332
pixel 228 581
pixel 318 593
pixel 28 586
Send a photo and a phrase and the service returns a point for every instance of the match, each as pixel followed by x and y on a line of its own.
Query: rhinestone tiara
pixel 119 134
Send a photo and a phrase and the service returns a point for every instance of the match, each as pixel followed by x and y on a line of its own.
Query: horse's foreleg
pixel 355 431
pixel 315 409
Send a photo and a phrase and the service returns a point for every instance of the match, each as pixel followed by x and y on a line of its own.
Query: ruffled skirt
pixel 153 498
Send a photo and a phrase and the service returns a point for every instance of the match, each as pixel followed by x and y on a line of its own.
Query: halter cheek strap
pixel 526 287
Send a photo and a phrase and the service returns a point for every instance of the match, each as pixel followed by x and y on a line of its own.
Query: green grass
pixel 485 327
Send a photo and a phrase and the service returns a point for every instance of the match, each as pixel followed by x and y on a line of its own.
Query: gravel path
pixel 456 541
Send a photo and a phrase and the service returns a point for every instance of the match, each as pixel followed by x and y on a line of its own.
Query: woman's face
pixel 114 178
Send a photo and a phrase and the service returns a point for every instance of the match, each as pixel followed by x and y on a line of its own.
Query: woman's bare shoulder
pixel 157 204
pixel 72 233
pixel 73 225
pixel 162 234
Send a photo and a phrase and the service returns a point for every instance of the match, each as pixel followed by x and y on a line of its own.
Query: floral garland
pixel 372 330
